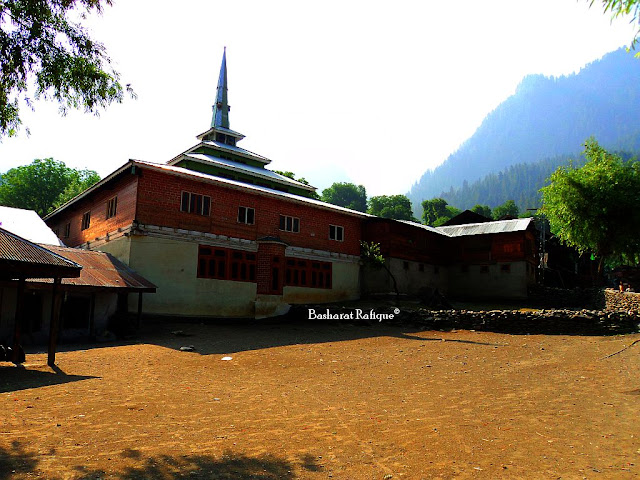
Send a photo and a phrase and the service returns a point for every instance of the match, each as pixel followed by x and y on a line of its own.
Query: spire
pixel 221 107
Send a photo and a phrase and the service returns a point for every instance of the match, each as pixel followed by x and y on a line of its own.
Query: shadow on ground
pixel 16 463
pixel 14 378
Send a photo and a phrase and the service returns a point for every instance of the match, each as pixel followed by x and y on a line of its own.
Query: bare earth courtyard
pixel 315 399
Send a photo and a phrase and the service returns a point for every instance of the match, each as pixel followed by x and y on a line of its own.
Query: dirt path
pixel 311 401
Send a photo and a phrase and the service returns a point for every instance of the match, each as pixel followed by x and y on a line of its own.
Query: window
pixel 421 267
pixel 436 269
pixel 86 220
pixel 226 264
pixel 195 203
pixel 246 215
pixel 336 233
pixel 307 273
pixel 464 268
pixel 112 207
pixel 67 230
pixel 289 224
pixel 484 269
pixel 505 268
pixel 405 265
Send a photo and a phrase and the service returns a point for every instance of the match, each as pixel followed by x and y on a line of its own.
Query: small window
pixel 505 268
pixel 289 224
pixel 336 232
pixel 464 268
pixel 112 207
pixel 436 269
pixel 421 267
pixel 246 215
pixel 484 269
pixel 67 230
pixel 405 265
pixel 86 220
pixel 195 203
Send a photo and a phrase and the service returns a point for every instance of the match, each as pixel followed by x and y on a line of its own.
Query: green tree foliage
pixel 623 8
pixel 484 210
pixel 39 43
pixel 371 256
pixel 346 195
pixel 507 209
pixel 437 211
pixel 595 208
pixel 397 207
pixel 43 185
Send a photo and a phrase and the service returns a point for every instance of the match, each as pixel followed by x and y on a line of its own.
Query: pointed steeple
pixel 221 107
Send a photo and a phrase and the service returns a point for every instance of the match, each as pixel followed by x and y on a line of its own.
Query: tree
pixel 43 185
pixel 507 209
pixel 46 55
pixel 371 256
pixel 595 208
pixel 433 209
pixel 620 8
pixel 346 195
pixel 397 207
pixel 484 210
pixel 437 211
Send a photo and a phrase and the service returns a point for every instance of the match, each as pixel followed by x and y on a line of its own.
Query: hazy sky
pixel 365 91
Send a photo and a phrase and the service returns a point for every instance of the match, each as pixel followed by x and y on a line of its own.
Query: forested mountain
pixel 546 118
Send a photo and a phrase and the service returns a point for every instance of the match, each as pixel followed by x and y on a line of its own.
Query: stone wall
pixel 622 301
pixel 548 322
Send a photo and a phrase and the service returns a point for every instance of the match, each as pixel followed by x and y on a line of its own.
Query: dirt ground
pixel 317 399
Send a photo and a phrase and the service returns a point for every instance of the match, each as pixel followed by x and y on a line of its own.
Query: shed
pixel 20 260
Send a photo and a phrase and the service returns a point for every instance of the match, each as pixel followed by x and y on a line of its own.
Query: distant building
pixel 220 234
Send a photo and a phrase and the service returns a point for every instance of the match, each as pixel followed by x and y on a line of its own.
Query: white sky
pixel 370 92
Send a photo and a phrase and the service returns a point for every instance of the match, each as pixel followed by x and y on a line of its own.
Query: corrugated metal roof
pixel 100 269
pixel 499 226
pixel 25 258
pixel 424 227
pixel 261 172
pixel 28 225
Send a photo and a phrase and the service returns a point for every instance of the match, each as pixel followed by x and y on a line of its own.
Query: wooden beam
pixel 139 316
pixel 18 321
pixel 92 312
pixel 54 324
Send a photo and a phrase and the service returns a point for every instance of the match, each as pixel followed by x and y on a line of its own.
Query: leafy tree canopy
pixel 437 211
pixel 44 54
pixel 595 208
pixel 346 195
pixel 484 210
pixel 397 207
pixel 622 8
pixel 507 209
pixel 43 185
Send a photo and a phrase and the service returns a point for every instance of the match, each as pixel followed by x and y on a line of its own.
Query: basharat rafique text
pixel 357 314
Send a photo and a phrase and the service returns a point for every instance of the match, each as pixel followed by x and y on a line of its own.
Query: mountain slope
pixel 548 117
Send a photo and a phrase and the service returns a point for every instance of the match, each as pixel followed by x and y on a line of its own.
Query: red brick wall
pixel 159 204
pixel 124 188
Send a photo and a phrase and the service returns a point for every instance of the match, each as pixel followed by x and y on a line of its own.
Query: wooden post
pixel 92 311
pixel 54 324
pixel 139 317
pixel 18 321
